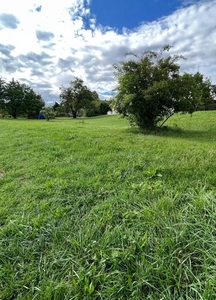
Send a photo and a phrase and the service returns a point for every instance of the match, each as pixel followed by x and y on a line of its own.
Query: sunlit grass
pixel 94 209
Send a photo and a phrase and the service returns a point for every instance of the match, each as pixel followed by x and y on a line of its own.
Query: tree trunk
pixel 14 115
pixel 74 113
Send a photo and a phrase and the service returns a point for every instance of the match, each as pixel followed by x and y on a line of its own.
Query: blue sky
pixel 47 43
pixel 131 13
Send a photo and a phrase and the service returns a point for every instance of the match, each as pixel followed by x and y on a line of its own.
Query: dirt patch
pixel 1 175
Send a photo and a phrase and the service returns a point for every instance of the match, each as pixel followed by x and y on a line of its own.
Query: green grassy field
pixel 92 209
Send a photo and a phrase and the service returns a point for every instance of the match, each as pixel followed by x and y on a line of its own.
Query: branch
pixel 166 120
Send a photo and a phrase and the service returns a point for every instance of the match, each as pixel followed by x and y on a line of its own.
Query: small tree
pixel 75 97
pixel 97 107
pixel 48 112
pixel 150 88
pixel 60 111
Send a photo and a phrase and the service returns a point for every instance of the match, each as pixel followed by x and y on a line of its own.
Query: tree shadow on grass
pixel 178 133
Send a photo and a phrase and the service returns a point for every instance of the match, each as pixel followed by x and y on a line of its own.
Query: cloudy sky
pixel 45 43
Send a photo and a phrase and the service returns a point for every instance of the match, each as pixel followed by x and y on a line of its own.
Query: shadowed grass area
pixel 92 209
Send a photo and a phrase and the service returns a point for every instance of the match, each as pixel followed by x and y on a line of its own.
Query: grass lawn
pixel 94 209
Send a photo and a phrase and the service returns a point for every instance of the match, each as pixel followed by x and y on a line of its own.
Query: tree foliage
pixel 56 106
pixel 2 96
pixel 19 99
pixel 32 103
pixel 75 97
pixel 150 88
pixel 97 108
pixel 48 112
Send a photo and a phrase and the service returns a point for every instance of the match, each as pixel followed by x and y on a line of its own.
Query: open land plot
pixel 94 209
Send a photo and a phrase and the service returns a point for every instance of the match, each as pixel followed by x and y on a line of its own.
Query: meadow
pixel 93 209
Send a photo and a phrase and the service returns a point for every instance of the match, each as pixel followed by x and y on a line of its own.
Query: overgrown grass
pixel 92 209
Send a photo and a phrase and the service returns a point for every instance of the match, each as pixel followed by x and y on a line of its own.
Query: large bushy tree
pixel 75 97
pixel 150 88
pixel 21 100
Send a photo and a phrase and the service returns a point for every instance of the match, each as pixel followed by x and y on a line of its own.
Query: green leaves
pixel 195 91
pixel 19 99
pixel 76 96
pixel 150 87
pixel 48 112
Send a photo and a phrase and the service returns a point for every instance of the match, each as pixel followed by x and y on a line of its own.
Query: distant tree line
pixel 17 99
pixel 150 90
pixel 20 100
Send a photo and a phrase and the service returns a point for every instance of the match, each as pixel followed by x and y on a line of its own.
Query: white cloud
pixel 46 43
